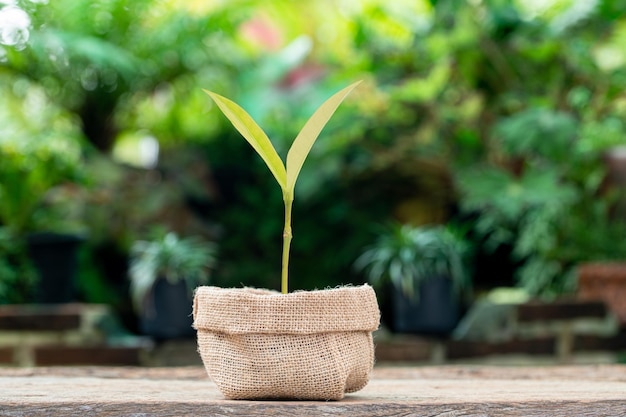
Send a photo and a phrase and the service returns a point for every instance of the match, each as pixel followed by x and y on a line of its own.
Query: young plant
pixel 285 175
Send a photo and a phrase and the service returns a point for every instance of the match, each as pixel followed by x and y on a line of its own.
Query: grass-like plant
pixel 166 255
pixel 285 174
pixel 407 256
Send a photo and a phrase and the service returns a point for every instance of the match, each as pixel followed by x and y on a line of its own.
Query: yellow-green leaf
pixel 253 134
pixel 309 133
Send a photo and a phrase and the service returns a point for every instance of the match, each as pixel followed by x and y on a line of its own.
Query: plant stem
pixel 287 235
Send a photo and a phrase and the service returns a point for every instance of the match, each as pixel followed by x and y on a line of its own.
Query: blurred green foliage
pixel 501 114
pixel 40 148
pixel 17 277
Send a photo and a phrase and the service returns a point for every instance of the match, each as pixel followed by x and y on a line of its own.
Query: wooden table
pixel 408 391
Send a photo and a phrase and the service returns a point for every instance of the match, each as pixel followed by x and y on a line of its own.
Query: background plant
pixel 407 256
pixel 168 256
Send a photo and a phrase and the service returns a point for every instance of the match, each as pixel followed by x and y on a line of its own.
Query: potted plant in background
pixel 258 344
pixel 164 271
pixel 424 270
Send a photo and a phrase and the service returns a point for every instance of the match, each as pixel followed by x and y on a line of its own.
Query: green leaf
pixel 309 133
pixel 253 134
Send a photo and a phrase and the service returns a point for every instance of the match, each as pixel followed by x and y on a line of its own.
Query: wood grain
pixel 402 391
pixel 539 409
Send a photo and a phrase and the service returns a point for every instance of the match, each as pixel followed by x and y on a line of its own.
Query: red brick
pixel 408 350
pixel 616 343
pixel 6 355
pixel 457 349
pixel 40 317
pixel 94 355
pixel 561 310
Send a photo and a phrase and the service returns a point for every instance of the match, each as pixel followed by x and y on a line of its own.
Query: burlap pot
pixel 309 345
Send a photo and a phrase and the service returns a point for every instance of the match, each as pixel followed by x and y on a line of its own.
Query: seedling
pixel 285 175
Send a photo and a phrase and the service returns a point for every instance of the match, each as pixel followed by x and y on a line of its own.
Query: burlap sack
pixel 313 345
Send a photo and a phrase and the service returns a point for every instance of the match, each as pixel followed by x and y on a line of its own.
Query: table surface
pixel 404 390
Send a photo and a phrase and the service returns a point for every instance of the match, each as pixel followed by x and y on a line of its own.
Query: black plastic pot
pixel 167 311
pixel 55 257
pixel 435 312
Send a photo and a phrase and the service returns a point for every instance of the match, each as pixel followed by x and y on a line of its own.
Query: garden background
pixel 503 119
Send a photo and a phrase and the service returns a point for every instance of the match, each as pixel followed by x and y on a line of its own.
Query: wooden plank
pixel 252 409
pixel 414 391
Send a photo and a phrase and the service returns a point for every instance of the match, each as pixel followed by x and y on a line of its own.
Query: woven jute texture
pixel 308 345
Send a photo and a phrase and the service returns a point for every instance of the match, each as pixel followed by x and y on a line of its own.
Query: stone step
pixel 560 329
pixel 420 349
pixel 49 317
pixel 63 355
pixel 66 334
pixel 54 323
